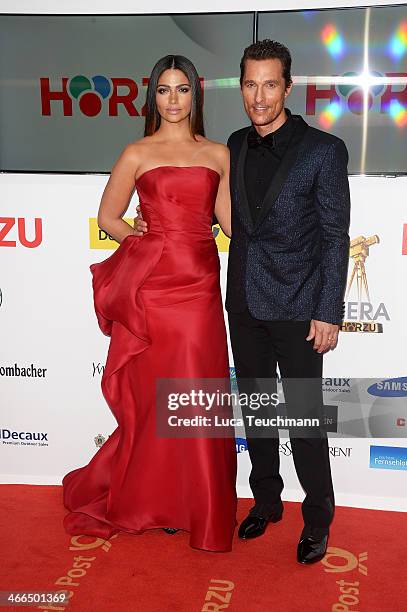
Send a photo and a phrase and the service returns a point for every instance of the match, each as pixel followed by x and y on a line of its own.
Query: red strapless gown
pixel 158 297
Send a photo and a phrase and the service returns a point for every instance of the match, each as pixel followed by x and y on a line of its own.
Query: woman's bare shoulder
pixel 134 153
pixel 137 147
pixel 217 148
pixel 220 153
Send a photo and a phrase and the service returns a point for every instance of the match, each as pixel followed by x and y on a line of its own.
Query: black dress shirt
pixel 262 160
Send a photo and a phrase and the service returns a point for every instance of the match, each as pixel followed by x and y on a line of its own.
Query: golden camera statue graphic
pixel 359 251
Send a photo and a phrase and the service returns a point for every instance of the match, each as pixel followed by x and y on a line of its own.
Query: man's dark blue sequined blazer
pixel 292 263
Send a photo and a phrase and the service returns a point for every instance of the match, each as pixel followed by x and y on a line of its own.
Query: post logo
pixel 340 561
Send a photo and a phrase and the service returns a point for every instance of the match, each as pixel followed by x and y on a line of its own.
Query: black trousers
pixel 258 346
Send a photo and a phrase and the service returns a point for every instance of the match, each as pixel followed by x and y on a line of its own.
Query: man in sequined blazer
pixel 287 271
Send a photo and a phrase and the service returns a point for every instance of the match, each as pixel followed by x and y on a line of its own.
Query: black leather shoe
pixel 254 525
pixel 312 548
pixel 170 530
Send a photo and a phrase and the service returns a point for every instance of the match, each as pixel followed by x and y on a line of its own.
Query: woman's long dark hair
pixel 177 62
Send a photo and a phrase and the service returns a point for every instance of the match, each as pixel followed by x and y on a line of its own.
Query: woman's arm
pixel 117 194
pixel 222 204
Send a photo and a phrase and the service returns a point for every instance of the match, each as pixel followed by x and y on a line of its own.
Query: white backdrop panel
pixel 47 319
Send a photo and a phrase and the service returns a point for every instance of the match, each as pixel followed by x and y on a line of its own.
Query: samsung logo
pixel 241 445
pixel 394 387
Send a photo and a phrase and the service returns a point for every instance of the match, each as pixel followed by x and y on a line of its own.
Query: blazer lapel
pixel 241 186
pixel 284 168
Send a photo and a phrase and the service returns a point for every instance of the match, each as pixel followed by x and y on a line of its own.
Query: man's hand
pixel 325 334
pixel 140 226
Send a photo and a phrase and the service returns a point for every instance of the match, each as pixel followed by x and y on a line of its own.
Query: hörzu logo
pixel 354 94
pixel 383 96
pixel 362 315
pixel 219 591
pixel 90 94
pixel 23 236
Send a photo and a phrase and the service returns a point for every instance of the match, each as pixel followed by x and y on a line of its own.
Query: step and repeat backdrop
pixel 65 117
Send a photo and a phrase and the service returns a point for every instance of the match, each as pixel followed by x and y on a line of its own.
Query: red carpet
pixel 156 572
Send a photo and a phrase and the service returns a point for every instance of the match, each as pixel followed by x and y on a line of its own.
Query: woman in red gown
pixel 158 298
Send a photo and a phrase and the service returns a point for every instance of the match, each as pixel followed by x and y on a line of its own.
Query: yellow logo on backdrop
pixel 99 239
pixel 361 315
pixel 222 241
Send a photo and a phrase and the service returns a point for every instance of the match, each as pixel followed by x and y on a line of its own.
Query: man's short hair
pixel 268 49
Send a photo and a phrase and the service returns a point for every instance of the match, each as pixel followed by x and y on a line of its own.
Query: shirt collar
pixel 280 137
